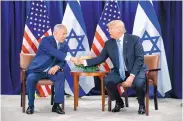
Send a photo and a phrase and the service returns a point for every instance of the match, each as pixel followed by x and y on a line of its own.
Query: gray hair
pixel 117 23
pixel 58 27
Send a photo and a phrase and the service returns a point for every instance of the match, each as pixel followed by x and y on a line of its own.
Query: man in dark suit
pixel 48 64
pixel 127 56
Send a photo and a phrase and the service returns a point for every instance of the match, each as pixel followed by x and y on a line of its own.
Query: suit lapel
pixel 54 42
pixel 115 51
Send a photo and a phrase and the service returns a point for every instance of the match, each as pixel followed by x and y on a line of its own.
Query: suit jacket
pixel 133 54
pixel 48 54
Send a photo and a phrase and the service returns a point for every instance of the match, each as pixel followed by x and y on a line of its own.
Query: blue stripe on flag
pixel 74 5
pixel 81 91
pixel 69 79
pixel 150 12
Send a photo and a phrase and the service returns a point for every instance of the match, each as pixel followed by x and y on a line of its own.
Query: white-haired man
pixel 48 64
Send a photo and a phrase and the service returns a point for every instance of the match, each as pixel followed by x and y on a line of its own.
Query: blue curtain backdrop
pixel 13 18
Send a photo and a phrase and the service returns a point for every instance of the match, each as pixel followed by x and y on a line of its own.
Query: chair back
pixel 152 62
pixel 25 60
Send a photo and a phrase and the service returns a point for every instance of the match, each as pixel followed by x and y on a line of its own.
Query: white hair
pixel 117 23
pixel 58 27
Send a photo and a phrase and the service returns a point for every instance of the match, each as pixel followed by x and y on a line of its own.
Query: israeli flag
pixel 146 26
pixel 78 46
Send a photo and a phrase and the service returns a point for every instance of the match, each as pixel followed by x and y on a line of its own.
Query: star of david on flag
pixel 75 39
pixel 147 27
pixel 149 43
pixel 78 46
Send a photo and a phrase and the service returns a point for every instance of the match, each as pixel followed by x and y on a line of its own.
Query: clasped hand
pixel 128 82
pixel 76 61
pixel 53 70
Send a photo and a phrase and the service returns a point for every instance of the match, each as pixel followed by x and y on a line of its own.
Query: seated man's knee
pixel 31 78
pixel 109 83
pixel 106 80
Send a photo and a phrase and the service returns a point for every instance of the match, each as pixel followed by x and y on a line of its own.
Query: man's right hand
pixel 79 62
pixel 76 61
pixel 53 70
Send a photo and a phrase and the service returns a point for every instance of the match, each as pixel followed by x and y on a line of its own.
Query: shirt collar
pixel 121 38
pixel 57 42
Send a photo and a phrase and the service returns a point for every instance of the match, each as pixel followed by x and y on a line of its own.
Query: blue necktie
pixel 121 61
pixel 58 46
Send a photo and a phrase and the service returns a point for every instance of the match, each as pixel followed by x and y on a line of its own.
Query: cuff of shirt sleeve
pixel 132 75
pixel 68 58
pixel 85 63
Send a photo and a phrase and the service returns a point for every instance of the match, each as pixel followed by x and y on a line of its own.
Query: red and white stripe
pixel 97 46
pixel 30 45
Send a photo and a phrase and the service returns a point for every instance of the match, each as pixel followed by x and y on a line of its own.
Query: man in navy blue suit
pixel 127 56
pixel 48 64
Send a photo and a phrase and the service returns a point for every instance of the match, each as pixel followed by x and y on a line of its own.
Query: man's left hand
pixel 53 70
pixel 128 82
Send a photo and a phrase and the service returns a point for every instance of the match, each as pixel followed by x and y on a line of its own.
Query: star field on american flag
pixel 110 12
pixel 79 38
pixel 153 40
pixel 38 20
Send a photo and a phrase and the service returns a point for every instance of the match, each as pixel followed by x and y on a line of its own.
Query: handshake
pixel 76 60
pixel 79 61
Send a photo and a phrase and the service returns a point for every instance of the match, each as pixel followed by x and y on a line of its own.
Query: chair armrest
pixel 150 70
pixel 22 74
pixel 152 75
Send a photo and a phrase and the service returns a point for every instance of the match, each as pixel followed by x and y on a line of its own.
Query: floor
pixel 89 109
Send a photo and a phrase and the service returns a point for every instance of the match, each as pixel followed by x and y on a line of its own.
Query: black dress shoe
pixel 141 109
pixel 117 107
pixel 30 110
pixel 57 109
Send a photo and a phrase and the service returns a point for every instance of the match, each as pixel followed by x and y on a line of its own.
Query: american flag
pixel 37 26
pixel 111 12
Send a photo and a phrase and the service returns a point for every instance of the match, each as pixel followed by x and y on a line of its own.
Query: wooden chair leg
pixel 147 98
pixel 109 103
pixel 126 97
pixel 23 96
pixel 147 105
pixel 77 93
pixel 155 97
pixel 52 94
